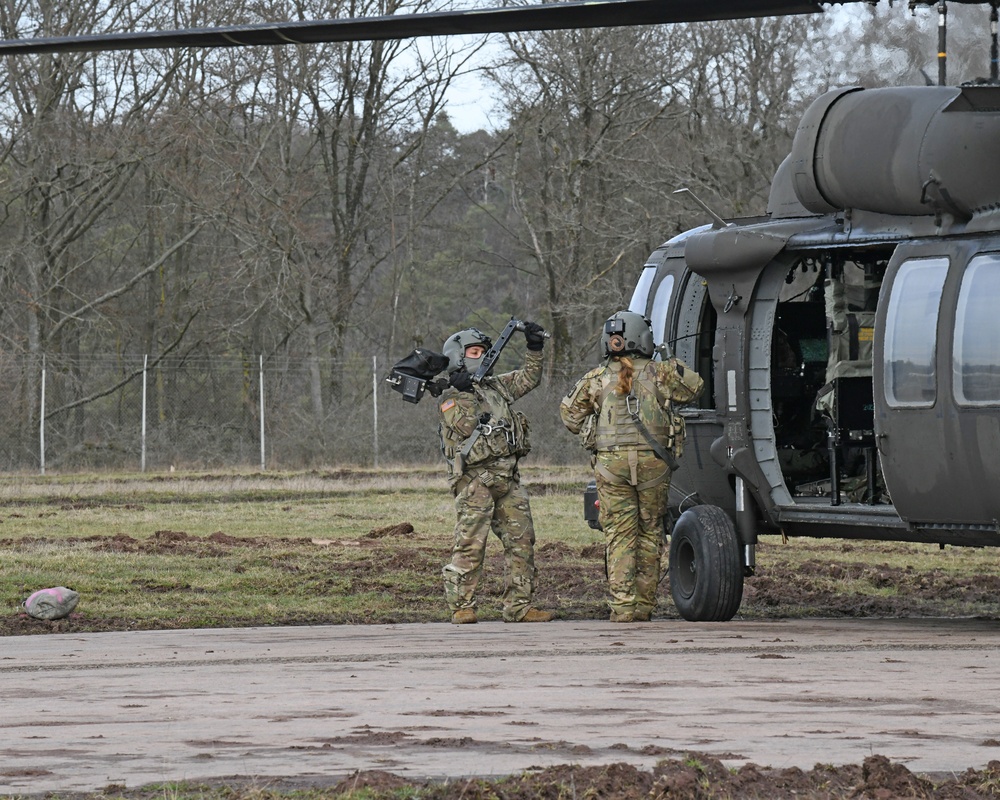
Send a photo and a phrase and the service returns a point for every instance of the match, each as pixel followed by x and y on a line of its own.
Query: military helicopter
pixel 849 338
pixel 849 335
pixel 871 285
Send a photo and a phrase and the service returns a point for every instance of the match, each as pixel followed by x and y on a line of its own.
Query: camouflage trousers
pixel 486 501
pixel 632 487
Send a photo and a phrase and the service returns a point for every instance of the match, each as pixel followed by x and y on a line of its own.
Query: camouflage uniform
pixel 851 338
pixel 633 484
pixel 482 471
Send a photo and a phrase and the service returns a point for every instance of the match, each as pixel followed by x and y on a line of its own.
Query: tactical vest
pixel 615 426
pixel 508 434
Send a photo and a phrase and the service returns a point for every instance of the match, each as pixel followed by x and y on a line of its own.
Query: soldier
pixel 624 409
pixel 482 438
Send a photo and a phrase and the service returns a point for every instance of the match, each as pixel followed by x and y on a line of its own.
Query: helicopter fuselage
pixel 850 339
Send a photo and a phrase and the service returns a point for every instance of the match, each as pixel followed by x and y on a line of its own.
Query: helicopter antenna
pixel 718 222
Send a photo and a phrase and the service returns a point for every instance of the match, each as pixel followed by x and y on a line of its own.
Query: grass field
pixel 353 546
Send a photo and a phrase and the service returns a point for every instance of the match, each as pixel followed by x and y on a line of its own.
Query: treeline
pixel 315 205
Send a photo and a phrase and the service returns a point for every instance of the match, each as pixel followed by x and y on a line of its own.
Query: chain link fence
pixel 128 413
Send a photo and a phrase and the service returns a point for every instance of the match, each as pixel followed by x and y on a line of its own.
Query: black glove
pixel 533 336
pixel 436 387
pixel 461 380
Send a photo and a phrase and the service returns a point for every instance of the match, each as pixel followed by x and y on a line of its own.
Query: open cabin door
pixel 937 383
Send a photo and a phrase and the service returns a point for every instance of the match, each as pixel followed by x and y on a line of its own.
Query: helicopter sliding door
pixel 937 384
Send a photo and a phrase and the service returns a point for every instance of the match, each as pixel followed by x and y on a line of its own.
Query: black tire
pixel 706 569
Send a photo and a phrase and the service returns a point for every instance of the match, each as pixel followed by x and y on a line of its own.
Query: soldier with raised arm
pixel 625 410
pixel 482 439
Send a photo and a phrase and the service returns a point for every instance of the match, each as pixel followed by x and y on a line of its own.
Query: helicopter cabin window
pixel 977 334
pixel 661 304
pixel 911 333
pixel 642 287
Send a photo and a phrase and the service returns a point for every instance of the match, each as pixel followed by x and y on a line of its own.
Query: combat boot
pixel 625 616
pixel 642 616
pixel 534 615
pixel 464 616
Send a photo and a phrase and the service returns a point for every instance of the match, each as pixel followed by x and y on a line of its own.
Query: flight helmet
pixel 454 349
pixel 627 333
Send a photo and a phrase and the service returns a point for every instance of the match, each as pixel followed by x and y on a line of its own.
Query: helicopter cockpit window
pixel 911 333
pixel 661 304
pixel 642 286
pixel 977 334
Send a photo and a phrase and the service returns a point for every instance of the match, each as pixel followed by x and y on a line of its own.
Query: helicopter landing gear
pixel 706 569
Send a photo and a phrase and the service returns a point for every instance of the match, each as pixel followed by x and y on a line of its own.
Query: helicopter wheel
pixel 706 570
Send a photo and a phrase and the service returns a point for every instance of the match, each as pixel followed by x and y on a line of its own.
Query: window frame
pixel 900 296
pixel 966 292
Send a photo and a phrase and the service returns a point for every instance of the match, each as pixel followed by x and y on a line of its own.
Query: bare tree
pixel 580 105
pixel 74 135
pixel 743 96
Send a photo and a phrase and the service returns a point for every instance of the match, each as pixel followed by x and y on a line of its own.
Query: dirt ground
pixel 578 594
pixel 697 777
pixel 694 777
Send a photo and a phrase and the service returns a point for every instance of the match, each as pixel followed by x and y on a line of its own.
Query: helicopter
pixel 849 338
pixel 849 341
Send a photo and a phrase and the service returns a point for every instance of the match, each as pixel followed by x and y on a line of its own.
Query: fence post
pixel 375 405
pixel 262 465
pixel 142 457
pixel 41 423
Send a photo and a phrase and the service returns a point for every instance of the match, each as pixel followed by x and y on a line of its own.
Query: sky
pixel 469 100
pixel 470 106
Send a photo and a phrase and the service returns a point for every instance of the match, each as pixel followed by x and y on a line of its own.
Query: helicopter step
pixel 816 518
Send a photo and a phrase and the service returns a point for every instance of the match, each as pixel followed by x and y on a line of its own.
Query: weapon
pixel 493 354
pixel 413 375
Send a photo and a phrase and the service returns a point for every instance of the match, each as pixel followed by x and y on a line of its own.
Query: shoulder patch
pixel 448 405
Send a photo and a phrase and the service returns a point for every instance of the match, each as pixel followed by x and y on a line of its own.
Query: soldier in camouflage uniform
pixel 482 438
pixel 633 482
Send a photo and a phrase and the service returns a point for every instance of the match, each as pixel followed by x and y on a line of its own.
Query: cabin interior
pixel 821 376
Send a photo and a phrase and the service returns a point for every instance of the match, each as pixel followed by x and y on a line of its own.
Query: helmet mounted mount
pixel 627 333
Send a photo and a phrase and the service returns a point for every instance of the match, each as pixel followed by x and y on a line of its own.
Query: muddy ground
pixel 697 777
pixel 694 777
pixel 846 580
pixel 572 584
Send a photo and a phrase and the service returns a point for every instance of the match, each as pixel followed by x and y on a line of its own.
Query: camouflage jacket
pixel 601 416
pixel 466 443
pixel 851 335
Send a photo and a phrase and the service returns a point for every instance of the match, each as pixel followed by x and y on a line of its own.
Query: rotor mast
pixel 942 55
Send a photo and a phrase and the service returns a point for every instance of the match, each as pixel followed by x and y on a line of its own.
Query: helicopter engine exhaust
pixel 903 151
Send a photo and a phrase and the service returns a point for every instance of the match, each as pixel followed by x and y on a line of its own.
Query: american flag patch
pixel 447 405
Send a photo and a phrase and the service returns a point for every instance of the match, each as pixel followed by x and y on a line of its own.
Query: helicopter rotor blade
pixel 546 16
